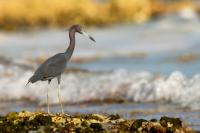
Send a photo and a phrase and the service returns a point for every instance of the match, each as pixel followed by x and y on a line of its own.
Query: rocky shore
pixel 40 122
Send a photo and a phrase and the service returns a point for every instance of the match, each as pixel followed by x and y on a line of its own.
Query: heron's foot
pixel 48 111
pixel 62 110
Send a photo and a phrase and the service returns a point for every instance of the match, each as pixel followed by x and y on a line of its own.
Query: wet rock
pixel 97 127
pixel 23 122
pixel 124 126
pixel 153 120
pixel 166 121
pixel 114 117
pixel 41 120
pixel 137 124
pixel 171 124
pixel 95 117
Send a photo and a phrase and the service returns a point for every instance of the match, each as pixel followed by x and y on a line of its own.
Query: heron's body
pixel 49 69
pixel 55 65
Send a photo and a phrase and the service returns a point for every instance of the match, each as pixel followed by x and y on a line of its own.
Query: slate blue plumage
pixel 55 65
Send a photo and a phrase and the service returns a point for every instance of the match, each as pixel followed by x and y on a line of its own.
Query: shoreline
pixel 39 121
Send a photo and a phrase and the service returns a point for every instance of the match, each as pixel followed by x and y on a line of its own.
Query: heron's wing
pixel 53 67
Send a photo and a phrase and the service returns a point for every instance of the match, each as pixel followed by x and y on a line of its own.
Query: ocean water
pixel 143 65
pixel 117 85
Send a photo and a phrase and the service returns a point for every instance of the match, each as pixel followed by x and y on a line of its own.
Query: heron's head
pixel 79 29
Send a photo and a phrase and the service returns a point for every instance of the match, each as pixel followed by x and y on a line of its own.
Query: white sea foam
pixel 78 87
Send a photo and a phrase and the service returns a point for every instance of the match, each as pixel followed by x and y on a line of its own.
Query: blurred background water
pixel 143 65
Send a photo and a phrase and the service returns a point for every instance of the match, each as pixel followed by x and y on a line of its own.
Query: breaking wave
pixel 120 84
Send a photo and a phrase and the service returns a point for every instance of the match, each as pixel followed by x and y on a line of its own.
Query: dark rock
pixel 114 117
pixel 153 120
pixel 96 126
pixel 137 124
pixel 171 124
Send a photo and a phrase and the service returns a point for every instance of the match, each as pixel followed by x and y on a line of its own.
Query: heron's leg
pixel 59 95
pixel 48 97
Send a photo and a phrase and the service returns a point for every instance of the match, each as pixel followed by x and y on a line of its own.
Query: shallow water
pixel 136 63
pixel 163 65
pixel 154 46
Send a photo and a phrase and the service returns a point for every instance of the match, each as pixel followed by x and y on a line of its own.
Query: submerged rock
pixel 22 122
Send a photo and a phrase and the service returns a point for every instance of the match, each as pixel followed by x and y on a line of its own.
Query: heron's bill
pixel 85 34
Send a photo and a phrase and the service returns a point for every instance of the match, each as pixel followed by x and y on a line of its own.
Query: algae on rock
pixel 22 122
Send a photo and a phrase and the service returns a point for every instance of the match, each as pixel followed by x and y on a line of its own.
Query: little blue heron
pixel 55 65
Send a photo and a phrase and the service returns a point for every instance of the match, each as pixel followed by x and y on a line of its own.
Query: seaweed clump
pixel 164 125
pixel 171 124
pixel 22 122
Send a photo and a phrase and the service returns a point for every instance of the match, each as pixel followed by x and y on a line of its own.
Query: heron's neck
pixel 70 49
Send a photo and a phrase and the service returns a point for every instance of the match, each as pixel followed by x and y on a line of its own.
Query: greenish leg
pixel 48 100
pixel 59 98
